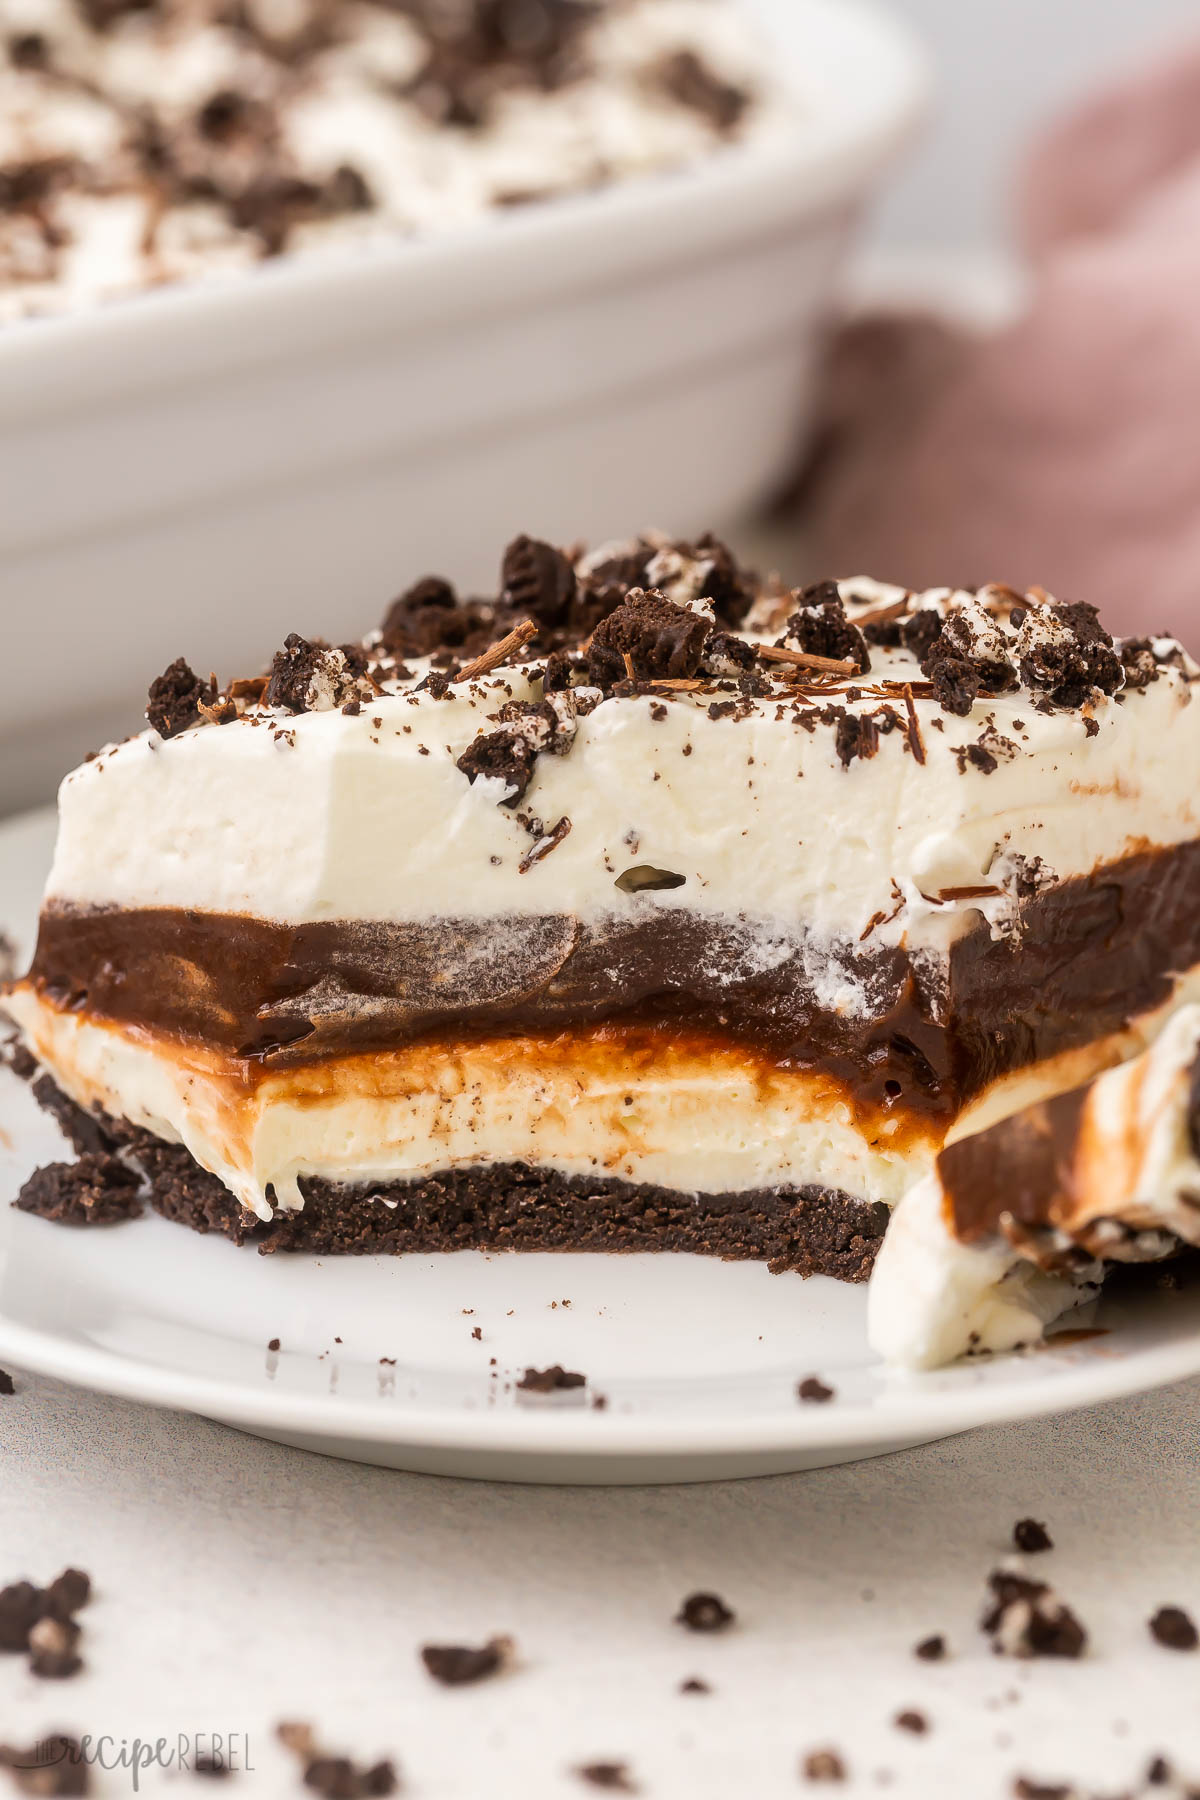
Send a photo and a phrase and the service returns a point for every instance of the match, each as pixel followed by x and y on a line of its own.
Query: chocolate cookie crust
pixel 512 1206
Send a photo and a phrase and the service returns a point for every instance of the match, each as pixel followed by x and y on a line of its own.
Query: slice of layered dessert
pixel 1019 1223
pixel 640 905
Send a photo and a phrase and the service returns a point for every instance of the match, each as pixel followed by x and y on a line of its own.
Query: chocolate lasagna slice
pixel 638 904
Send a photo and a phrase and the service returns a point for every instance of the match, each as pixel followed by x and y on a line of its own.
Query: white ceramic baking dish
pixel 201 470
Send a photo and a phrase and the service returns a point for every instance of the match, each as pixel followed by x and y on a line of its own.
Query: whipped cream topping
pixel 1131 1192
pixel 333 815
pixel 142 144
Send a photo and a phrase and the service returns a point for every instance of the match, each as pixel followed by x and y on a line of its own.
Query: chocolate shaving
pixel 916 742
pixel 802 659
pixel 498 653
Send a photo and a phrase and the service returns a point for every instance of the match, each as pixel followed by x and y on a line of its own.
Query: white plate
pixel 698 1360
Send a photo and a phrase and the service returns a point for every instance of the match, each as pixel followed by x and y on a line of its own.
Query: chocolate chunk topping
pixel 820 627
pixel 455 1665
pixel 54 1766
pixel 931 1649
pixel 1031 1537
pixel 536 578
pixel 96 1190
pixel 704 1612
pixel 614 1776
pixel 813 1389
pixel 550 1381
pixel 823 1765
pixel 662 641
pixel 688 79
pixel 175 698
pixel 1026 1618
pixel 1173 1629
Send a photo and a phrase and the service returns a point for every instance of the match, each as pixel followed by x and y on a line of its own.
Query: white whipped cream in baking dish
pixel 143 144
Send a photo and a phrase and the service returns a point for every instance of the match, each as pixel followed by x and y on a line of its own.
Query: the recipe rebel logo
pixel 202 1753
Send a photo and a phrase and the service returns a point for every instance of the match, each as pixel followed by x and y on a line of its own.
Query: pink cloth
pixel 1064 450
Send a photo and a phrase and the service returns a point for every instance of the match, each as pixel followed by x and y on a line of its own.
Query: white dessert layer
pixel 611 1105
pixel 933 1297
pixel 627 1105
pixel 327 816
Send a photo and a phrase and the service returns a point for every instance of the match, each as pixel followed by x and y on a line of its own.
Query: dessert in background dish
pixel 644 904
pixel 1015 1225
pixel 151 141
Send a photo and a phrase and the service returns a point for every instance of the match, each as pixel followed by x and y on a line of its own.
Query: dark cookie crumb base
pixel 511 1206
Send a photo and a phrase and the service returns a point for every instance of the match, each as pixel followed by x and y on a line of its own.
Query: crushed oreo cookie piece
pixel 912 1721
pixel 614 1777
pixel 7 1385
pixel 1032 1537
pixel 813 1389
pixel 689 81
pixel 1174 1629
pixel 694 1685
pixel 661 640
pixel 537 579
pixel 554 1380
pixel 456 1665
pixel 54 1768
pixel 173 704
pixel 1139 662
pixel 41 1623
pixel 823 1765
pixel 1027 1618
pixel 336 1777
pixel 1064 651
pixel 53 1652
pixel 931 1649
pixel 96 1190
pixel 726 655
pixel 316 677
pixel 819 627
pixel 704 1612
